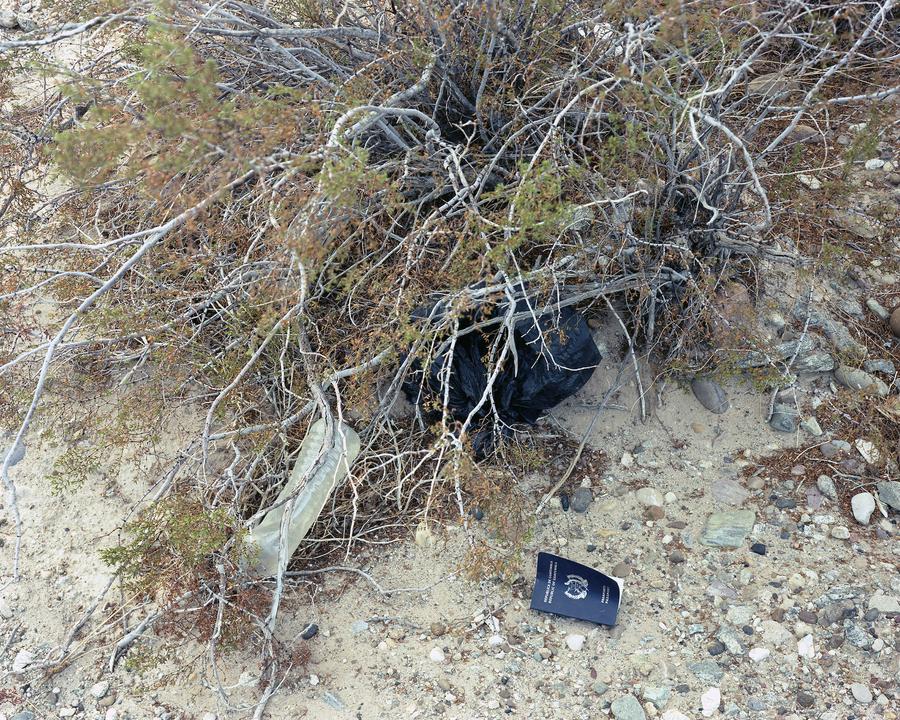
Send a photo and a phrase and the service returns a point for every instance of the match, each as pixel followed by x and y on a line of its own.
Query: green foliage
pixel 72 468
pixel 170 546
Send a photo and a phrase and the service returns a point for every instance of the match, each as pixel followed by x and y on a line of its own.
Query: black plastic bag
pixel 556 357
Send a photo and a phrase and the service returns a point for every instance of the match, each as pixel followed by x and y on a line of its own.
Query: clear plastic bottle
pixel 317 471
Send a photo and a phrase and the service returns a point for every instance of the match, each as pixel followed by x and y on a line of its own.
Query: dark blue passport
pixel 565 587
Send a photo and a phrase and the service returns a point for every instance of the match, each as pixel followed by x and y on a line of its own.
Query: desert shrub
pixel 261 194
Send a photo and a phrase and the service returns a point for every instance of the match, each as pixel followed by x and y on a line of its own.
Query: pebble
pixel 621 570
pixel 826 486
pixel 654 513
pixel 729 491
pixel 758 548
pixel 709 701
pixel 861 693
pixel 874 164
pixel 437 655
pixel 895 322
pixel 758 654
pixel 582 499
pixel 657 696
pixel 805 700
pixel 575 641
pixel 805 647
pixel 22 660
pixel 785 418
pixel 627 707
pixel 717 648
pixel 564 502
pixel 649 497
pixel 438 629
pixel 878 309
pixel 360 626
pixel 710 395
pixel 100 689
pixel 863 505
pixel 310 631
pixel 811 425
pixel 838 532
pixel 676 557
pixel 707 670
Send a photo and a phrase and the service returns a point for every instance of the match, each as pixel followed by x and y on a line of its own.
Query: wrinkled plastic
pixel 556 357
pixel 331 466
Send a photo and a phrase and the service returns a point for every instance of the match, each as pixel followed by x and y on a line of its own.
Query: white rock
pixel 437 655
pixel 878 645
pixel 5 611
pixel 868 450
pixel 674 715
pixel 710 701
pixel 758 654
pixel 861 693
pixel 67 712
pixel 210 716
pixel 805 647
pixel 826 486
pixel 627 459
pixel 100 689
pixel 863 505
pixel 874 164
pixel 648 497
pixel 314 680
pixel 112 714
pixel 496 640
pixel 22 660
pixel 575 641
pixel 840 533
pixel 670 497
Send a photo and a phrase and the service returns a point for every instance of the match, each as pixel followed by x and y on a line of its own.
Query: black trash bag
pixel 556 357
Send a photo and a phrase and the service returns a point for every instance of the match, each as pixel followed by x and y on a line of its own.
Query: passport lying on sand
pixel 565 587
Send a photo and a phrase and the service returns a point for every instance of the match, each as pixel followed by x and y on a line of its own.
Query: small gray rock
pixel 856 636
pixel 857 224
pixel 885 605
pixel 627 707
pixel 729 639
pixel 23 715
pixel 582 499
pixel 710 395
pixel 8 22
pixel 861 693
pixel 860 380
pixel 880 366
pixel 659 696
pixel 889 492
pixel 649 497
pixel 834 448
pixel 863 505
pixel 827 487
pixel 708 671
pixel 811 425
pixel 817 361
pixel 785 418
pixel 26 23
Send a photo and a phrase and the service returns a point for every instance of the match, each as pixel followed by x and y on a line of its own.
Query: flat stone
pixel 857 224
pixel 621 570
pixel 878 309
pixel 895 322
pixel 758 654
pixel 710 395
pixel 811 425
pixel 582 499
pixel 707 670
pixel 659 696
pixel 839 532
pixel 889 493
pixel 880 366
pixel 728 529
pixel 575 642
pixel 729 491
pixel 627 707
